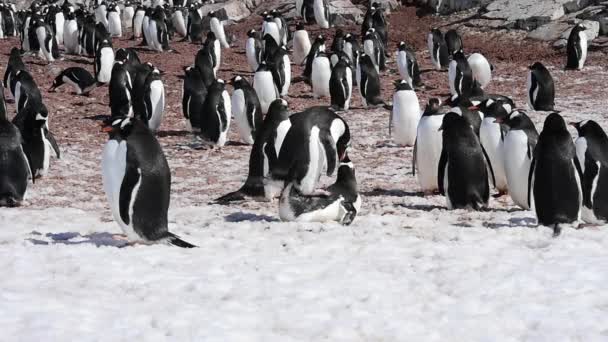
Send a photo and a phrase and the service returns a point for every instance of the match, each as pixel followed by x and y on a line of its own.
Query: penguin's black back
pixel 211 125
pixel 545 99
pixel 573 48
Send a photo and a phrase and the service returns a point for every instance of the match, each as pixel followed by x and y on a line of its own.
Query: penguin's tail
pixel 177 241
pixel 557 230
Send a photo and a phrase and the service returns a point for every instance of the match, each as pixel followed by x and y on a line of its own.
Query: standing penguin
pixel 337 44
pixel 406 114
pixel 341 84
pixel 253 49
pixel 246 109
pixel 438 49
pixel 179 19
pixel 351 49
pixel 301 44
pixel 460 76
pixel 453 41
pixel 15 64
pixel 70 34
pixel 120 89
pixel 158 37
pixel 305 10
pixel 138 20
pixel 368 81
pixel 541 91
pixel 577 47
pixel 137 182
pixel 217 27
pixel 215 117
pixel 321 73
pixel 46 41
pixel 408 65
pixel 322 13
pixel 215 50
pixel 518 151
pixel 554 190
pixel 127 14
pixel 154 97
pixel 372 46
pixel 462 172
pixel 14 168
pixel 270 27
pixel 104 60
pixel 264 86
pixel 194 92
pixel 25 90
pixel 114 22
pixel 282 24
pixel 427 150
pixel 591 148
pixel 80 79
pixel 491 136
pixel 317 47
pixel 481 69
pixel 281 70
pixel 101 14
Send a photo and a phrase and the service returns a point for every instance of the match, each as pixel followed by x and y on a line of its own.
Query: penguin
pixel 25 32
pixel 408 65
pixel 139 74
pixel 460 76
pixel 217 27
pixel 87 38
pixel 80 79
pixel 576 48
pixel 554 190
pixel 319 78
pixel 282 24
pixel 127 15
pixel 341 84
pixel 470 112
pixel 491 136
pixel 368 18
pixel 301 44
pixel 368 81
pixel 57 20
pixel 127 56
pixel 541 91
pixel 101 14
pixel 154 100
pixel 158 38
pixel 381 25
pixel 138 20
pixel 114 22
pixel 591 146
pixel 46 40
pixel 25 90
pixel 335 57
pixel 264 86
pixel 137 182
pixel 214 49
pixel 453 41
pixel 270 27
pixel 253 49
pixel 427 148
pixel 120 91
pixel 406 114
pixel 104 60
pixel 317 139
pixel 14 167
pixel 351 49
pixel 305 10
pixel 179 18
pixel 38 141
pixel 518 151
pixel 462 172
pixel 372 46
pixel 281 70
pixel 145 28
pixel 206 58
pixel 15 64
pixel 481 69
pixel 322 13
pixel 194 92
pixel 338 43
pixel 270 48
pixel 438 49
pixel 215 117
pixel 341 203
pixel 194 25
pixel 246 109
pixel 317 47
pixel 70 34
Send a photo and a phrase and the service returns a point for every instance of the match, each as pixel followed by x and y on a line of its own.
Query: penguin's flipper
pixel 443 160
pixel 533 86
pixel 414 156
pixel 345 87
pixel 30 173
pixel 221 109
pixel 51 138
pixel 490 168
pixel 176 241
pixel 330 152
pixel 530 181
pixel 129 181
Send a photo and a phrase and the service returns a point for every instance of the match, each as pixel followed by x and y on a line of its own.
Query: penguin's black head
pixel 579 27
pixel 299 26
pixel 119 126
pixel 402 85
pixel 339 33
pixel 268 18
pixel 554 123
pixel 589 128
pixel 278 109
pixel 210 36
pixel 41 117
pixel 518 119
pixel 536 66
pixel 252 33
pixel 346 172
pixel 437 33
pixel 453 121
pixel 264 14
pixel 58 81
pixel 275 13
pixel 320 39
pixel 432 106
pixel 402 46
pixel 212 14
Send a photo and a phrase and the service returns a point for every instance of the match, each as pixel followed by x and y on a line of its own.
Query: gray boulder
pixel 344 13
pixel 592 31
pixel 525 14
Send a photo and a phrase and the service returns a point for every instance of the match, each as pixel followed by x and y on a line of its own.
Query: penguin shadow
pixel 527 222
pixel 420 207
pixel 73 238
pixel 236 143
pixel 379 192
pixel 98 117
pixel 172 133
pixel 79 61
pixel 301 96
pixel 241 216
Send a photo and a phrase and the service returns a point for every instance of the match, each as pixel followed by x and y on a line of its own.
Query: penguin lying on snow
pixel 341 203
pixel 80 79
pixel 137 182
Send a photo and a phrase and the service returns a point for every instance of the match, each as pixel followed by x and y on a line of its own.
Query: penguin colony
pixel 464 146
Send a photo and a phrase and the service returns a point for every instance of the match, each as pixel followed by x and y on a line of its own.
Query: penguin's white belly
pixel 228 111
pixel 137 25
pixel 368 48
pixel 583 41
pixel 446 186
pixel 218 28
pixel 153 41
pixel 70 36
pixel 218 55
pixel 107 62
pixel 489 136
pixel 349 81
pixel 321 73
pixel 114 25
pixel 273 30
pixel 406 115
pixel 287 72
pixel 482 72
pixel 581 148
pixel 44 51
pixel 452 77
pixel 517 166
pixel 358 77
pixel 252 58
pixel 127 17
pixel 428 151
pixel 317 160
pixel 145 29
pixel 239 109
pixel 531 97
pixel 59 23
pixel 46 159
pixel 26 39
pixel 101 15
pixel 319 10
pixel 17 95
pixel 301 46
pixel 157 99
pixel 263 84
pixel 179 23
pixel 402 65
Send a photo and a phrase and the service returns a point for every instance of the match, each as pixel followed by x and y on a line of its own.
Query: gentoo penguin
pixel 217 27
pixel 80 79
pixel 351 49
pixel 70 34
pixel 481 69
pixel 194 92
pixel 368 81
pixel 381 25
pixel 319 78
pixel 215 116
pixel 438 49
pixel 406 114
pixel 317 139
pixel 264 86
pixel 554 190
pixel 341 202
pixel 158 37
pixel 178 19
pixel 372 46
pixel 38 141
pixel 25 90
pixel 462 173
pixel 341 84
pixel 491 136
pixel 46 41
pixel 127 56
pixel 270 48
pixel 87 38
pixel 305 10
pixel 14 167
pixel 282 24
pixel 254 49
pixel 56 20
pixel 408 65
pixel 195 25
pixel 154 97
pixel 114 22
pixel 127 15
pixel 460 76
pixel 577 47
pixel 453 41
pixel 138 20
pixel 518 151
pixel 246 109
pixel 322 13
pixel 120 89
pixel 214 49
pixel 269 139
pixel 15 63
pixel 427 150
pixel 101 14
pixel 104 60
pixel 338 43
pixel 206 59
pixel 465 108
pixel 270 27
pixel 137 182
pixel 591 146
pixel 301 44
pixel 541 91
pixel 281 70
pixel 317 47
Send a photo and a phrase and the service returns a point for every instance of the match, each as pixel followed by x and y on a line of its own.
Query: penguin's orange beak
pixel 498 120
pixel 474 108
